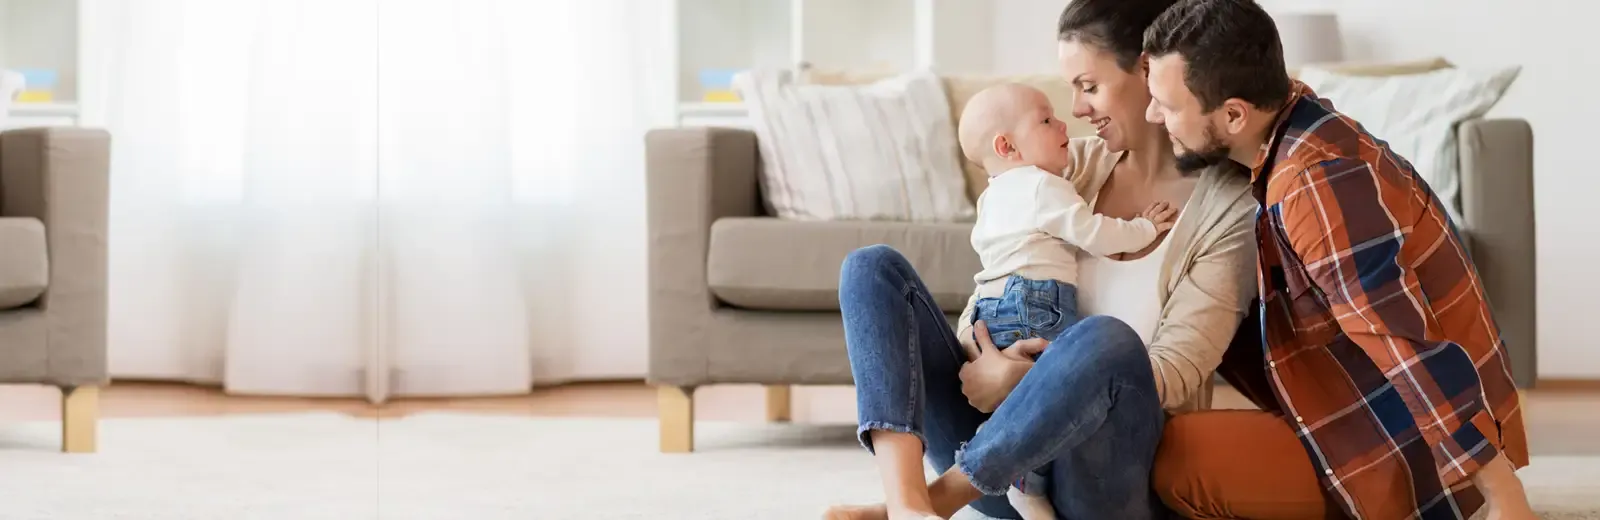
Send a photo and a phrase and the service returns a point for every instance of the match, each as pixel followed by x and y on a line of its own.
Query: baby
pixel 1031 221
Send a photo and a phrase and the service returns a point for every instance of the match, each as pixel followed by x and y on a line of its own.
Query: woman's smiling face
pixel 1112 99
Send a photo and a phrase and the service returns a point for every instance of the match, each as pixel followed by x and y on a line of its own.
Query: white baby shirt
pixel 1031 222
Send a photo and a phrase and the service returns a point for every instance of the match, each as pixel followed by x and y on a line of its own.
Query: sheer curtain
pixel 376 197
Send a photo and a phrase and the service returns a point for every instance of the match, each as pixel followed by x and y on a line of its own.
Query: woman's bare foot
pixel 874 512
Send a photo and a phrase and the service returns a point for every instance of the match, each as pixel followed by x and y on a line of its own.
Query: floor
pixel 1560 422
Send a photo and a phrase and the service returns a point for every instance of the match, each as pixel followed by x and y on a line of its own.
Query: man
pixel 1383 382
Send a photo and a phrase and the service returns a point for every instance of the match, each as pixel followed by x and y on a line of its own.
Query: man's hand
pixel 988 379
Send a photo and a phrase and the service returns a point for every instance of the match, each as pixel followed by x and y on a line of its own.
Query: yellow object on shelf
pixel 35 96
pixel 720 96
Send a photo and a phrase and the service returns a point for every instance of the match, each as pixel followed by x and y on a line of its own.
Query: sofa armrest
pixel 1498 209
pixel 61 176
pixel 693 176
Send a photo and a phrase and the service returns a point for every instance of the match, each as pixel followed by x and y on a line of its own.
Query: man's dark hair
pixel 1115 26
pixel 1231 48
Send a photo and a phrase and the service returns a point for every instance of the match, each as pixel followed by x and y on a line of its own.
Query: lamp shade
pixel 1309 38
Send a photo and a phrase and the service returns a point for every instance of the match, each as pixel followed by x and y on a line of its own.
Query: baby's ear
pixel 1000 145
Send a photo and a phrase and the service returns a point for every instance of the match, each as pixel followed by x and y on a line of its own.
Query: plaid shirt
pixel 1379 347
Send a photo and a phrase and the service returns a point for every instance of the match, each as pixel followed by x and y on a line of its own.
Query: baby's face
pixel 1039 137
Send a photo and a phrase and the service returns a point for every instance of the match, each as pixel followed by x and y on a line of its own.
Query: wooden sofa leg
pixel 778 403
pixel 675 410
pixel 80 409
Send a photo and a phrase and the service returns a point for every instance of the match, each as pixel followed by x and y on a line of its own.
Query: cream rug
pixel 457 466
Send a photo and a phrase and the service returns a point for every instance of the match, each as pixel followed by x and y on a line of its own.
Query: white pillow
pixel 881 151
pixel 1417 114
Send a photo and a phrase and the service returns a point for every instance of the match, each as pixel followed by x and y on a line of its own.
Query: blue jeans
pixel 1028 309
pixel 1087 412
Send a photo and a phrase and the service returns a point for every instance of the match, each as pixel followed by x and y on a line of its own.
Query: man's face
pixel 1196 135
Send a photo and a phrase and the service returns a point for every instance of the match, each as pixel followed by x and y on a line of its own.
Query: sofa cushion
pixel 771 264
pixel 24 268
pixel 959 90
pixel 893 157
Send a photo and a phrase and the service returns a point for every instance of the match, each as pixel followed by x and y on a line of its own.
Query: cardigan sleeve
pixel 1205 307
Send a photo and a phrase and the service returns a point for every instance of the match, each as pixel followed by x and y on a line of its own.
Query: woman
pixel 1091 415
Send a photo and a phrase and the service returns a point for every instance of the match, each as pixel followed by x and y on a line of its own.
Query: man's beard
pixel 1190 161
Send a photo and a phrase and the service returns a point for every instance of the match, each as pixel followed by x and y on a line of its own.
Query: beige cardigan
pixel 1207 280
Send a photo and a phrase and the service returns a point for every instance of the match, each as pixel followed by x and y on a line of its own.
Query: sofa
pixel 54 188
pixel 740 297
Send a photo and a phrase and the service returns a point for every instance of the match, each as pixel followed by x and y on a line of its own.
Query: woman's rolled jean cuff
pixel 995 486
pixel 864 434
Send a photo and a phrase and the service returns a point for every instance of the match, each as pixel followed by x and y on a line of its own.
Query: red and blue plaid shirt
pixel 1379 348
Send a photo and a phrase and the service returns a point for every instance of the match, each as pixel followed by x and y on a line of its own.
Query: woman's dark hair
pixel 1115 26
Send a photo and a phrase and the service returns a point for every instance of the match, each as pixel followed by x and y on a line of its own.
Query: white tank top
pixel 1125 290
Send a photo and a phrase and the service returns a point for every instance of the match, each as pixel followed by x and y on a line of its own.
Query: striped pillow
pixel 882 151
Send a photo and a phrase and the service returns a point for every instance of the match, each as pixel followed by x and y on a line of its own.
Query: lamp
pixel 1309 38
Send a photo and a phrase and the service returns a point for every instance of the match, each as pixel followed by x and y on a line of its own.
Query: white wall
pixel 964 44
pixel 1550 39
pixel 1025 35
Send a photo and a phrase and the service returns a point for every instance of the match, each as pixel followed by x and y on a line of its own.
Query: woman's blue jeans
pixel 1086 414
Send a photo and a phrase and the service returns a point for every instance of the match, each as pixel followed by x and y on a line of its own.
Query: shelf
pixel 44 109
pixel 705 108
pixel 724 114
pixel 28 115
pixel 721 35
pixel 885 37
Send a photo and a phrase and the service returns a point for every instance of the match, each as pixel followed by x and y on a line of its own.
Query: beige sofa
pixel 54 188
pixel 737 296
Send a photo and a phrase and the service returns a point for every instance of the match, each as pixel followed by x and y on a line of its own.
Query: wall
pixel 1025 35
pixel 1559 69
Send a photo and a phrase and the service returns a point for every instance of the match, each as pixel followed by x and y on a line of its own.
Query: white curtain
pixel 376 197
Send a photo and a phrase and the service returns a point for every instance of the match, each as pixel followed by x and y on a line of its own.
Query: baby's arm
pixel 1064 214
pixel 964 327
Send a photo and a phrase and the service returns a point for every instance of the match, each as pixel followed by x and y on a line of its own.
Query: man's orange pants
pixel 1237 464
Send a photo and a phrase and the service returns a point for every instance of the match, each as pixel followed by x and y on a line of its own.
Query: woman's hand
pixel 988 379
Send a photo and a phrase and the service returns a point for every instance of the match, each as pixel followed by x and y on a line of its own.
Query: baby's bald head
pixel 990 113
pixel 1009 111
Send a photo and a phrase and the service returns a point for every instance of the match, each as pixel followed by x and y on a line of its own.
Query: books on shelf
pixel 716 86
pixel 38 86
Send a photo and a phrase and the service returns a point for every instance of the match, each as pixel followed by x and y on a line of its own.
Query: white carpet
pixel 448 466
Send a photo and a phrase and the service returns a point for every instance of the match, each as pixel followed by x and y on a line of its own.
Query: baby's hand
pixel 1162 215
